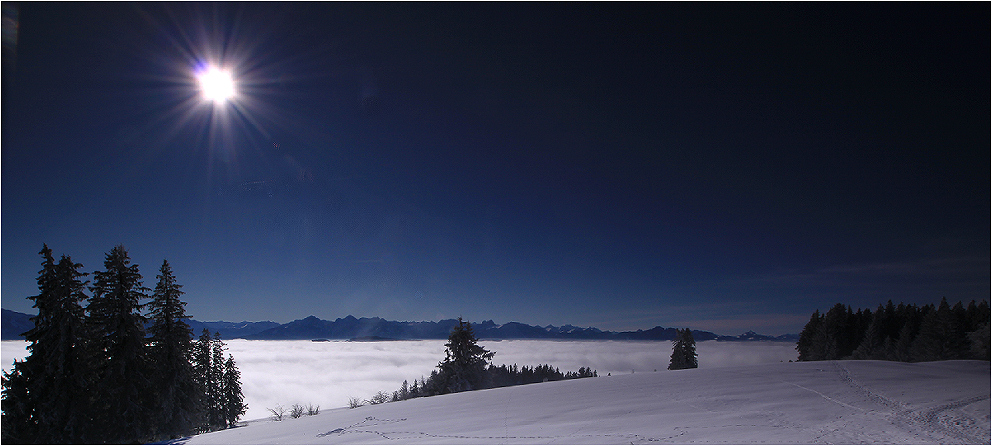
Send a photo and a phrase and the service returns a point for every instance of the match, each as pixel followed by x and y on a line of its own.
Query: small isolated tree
pixel 464 365
pixel 683 351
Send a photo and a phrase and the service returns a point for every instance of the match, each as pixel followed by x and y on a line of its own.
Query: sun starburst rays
pixel 216 84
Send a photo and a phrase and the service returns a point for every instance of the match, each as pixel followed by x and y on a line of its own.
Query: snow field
pixel 780 403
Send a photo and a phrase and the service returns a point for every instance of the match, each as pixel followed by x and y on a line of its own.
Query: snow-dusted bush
pixel 312 409
pixel 379 398
pixel 296 411
pixel 278 412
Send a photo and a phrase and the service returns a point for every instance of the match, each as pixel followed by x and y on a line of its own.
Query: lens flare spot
pixel 216 85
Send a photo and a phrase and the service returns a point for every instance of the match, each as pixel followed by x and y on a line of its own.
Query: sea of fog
pixel 327 374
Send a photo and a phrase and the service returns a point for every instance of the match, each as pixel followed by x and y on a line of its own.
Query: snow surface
pixel 781 403
pixel 742 393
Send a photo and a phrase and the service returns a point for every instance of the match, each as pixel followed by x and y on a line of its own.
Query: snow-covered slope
pixel 818 402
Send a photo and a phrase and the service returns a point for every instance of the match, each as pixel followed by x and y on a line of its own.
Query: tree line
pixel 898 333
pixel 466 367
pixel 97 375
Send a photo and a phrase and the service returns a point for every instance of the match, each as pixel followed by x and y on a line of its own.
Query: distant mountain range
pixel 350 327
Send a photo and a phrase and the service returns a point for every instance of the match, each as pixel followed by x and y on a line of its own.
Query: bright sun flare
pixel 217 85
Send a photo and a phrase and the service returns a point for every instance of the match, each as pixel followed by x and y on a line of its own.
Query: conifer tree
pixel 171 346
pixel 201 377
pixel 464 365
pixel 683 351
pixel 65 405
pixel 941 336
pixel 24 384
pixel 234 399
pixel 807 338
pixel 215 381
pixel 872 345
pixel 904 343
pixel 44 396
pixel 123 391
pixel 415 389
pixel 17 425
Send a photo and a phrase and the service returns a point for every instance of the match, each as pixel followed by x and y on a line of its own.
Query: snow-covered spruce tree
pixel 123 394
pixel 234 399
pixel 177 395
pixel 683 351
pixel 464 365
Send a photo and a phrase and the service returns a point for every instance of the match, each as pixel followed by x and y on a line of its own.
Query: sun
pixel 217 85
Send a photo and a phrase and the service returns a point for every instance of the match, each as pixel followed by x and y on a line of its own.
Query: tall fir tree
pixel 201 378
pixel 124 392
pixel 464 365
pixel 683 351
pixel 45 397
pixel 24 384
pixel 66 408
pixel 234 399
pixel 177 395
pixel 217 413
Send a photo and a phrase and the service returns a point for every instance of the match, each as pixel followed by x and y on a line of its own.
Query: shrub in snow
pixel 296 411
pixel 312 410
pixel 379 398
pixel 277 413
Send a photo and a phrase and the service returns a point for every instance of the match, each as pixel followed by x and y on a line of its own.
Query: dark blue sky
pixel 720 166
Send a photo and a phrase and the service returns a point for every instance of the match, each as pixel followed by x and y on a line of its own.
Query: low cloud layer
pixel 328 373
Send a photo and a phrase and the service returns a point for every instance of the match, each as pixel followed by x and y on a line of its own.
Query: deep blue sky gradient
pixel 720 166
